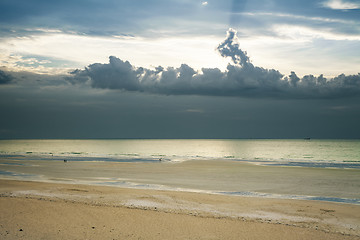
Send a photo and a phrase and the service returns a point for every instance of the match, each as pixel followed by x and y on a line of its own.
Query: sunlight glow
pixel 54 52
pixel 197 52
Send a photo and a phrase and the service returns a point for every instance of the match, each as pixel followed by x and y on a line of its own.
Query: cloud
pixel 5 78
pixel 241 78
pixel 231 48
pixel 340 5
pixel 115 75
pixel 301 33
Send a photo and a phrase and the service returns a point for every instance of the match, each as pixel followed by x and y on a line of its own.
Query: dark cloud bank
pixel 4 77
pixel 241 78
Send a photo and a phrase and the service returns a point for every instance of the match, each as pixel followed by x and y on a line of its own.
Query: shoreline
pixel 156 187
pixel 279 217
pixel 211 176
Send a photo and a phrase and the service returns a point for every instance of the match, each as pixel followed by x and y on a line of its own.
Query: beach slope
pixel 34 210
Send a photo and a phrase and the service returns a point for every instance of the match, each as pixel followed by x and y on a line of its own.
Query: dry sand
pixel 34 210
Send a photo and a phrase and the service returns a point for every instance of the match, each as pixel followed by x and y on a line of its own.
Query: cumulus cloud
pixel 4 77
pixel 230 48
pixel 241 78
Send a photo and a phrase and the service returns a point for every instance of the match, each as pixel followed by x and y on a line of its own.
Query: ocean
pixel 324 170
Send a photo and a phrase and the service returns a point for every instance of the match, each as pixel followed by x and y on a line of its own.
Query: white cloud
pixel 16 62
pixel 204 3
pixel 299 17
pixel 341 5
pixel 303 34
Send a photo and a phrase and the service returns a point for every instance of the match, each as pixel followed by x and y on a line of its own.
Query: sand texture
pixel 35 210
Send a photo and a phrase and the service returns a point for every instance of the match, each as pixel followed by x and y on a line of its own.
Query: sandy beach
pixel 36 210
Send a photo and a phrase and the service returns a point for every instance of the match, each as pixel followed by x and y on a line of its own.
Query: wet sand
pixel 35 210
pixel 197 175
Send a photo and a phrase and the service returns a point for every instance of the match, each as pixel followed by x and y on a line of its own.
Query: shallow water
pixel 325 170
pixel 337 153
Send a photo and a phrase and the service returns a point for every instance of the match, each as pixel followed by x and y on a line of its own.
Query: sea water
pixel 303 169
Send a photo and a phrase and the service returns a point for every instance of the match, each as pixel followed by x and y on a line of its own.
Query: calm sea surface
pixel 321 153
pixel 303 169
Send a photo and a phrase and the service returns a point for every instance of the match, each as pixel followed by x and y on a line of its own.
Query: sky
pixel 179 69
